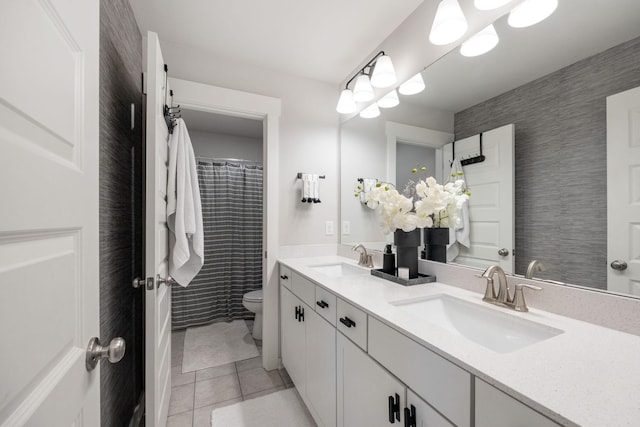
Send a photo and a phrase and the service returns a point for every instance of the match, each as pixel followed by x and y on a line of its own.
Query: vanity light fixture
pixel 363 91
pixel 531 12
pixel 390 100
pixel 481 43
pixel 378 72
pixel 412 86
pixel 370 112
pixel 346 104
pixel 449 23
pixel 489 4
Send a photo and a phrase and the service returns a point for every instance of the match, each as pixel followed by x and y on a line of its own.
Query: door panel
pixel 491 205
pixel 49 215
pixel 623 190
pixel 293 338
pixel 158 299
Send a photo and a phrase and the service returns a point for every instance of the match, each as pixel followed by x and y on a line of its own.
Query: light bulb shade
pixel 449 24
pixel 370 112
pixel 489 4
pixel 481 43
pixel 531 12
pixel 390 100
pixel 412 86
pixel 362 91
pixel 383 73
pixel 346 104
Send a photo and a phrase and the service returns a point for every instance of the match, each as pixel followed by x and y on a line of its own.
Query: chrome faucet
pixel 534 266
pixel 503 299
pixel 365 259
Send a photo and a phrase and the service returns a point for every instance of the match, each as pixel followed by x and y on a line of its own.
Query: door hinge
pixel 265 254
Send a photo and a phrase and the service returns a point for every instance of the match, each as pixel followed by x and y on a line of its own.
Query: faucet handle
pixel 489 292
pixel 519 303
pixel 369 261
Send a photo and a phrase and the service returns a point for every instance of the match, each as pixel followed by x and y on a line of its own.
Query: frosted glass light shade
pixel 384 74
pixel 346 104
pixel 449 24
pixel 370 112
pixel 489 4
pixel 390 100
pixel 412 86
pixel 531 12
pixel 362 91
pixel 481 43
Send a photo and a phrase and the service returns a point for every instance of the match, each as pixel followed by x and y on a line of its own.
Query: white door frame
pixel 218 100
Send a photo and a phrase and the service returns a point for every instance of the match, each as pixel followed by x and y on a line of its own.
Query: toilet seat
pixel 253 296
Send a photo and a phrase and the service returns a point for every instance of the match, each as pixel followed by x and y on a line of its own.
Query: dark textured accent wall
pixel 560 161
pixel 121 306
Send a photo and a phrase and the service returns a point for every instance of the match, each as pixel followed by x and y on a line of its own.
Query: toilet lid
pixel 255 296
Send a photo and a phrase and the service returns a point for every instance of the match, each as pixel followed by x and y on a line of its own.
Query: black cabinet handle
pixel 347 322
pixel 301 315
pixel 410 417
pixel 297 313
pixel 322 304
pixel 394 408
pixel 284 277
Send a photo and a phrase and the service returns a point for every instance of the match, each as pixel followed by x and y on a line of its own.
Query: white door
pixel 365 389
pixel 48 212
pixel 321 368
pixel 623 192
pixel 158 295
pixel 491 206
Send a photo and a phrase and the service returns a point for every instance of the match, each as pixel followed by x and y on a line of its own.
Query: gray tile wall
pixel 560 159
pixel 121 209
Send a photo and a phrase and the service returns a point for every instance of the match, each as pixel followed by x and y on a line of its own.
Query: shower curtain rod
pixel 222 159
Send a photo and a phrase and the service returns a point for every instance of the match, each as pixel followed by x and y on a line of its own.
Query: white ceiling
pixel 323 40
pixel 577 29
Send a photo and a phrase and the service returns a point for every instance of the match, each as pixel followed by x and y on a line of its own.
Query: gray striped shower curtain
pixel 231 196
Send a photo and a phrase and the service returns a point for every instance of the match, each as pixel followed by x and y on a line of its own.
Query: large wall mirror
pixel 551 81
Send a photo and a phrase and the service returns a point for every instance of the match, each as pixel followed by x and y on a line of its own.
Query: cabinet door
pixel 293 340
pixel 364 388
pixel 497 409
pixel 425 415
pixel 321 368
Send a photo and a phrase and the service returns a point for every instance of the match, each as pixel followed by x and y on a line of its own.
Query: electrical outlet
pixel 346 228
pixel 328 228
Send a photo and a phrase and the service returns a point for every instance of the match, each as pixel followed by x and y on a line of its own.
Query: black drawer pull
pixel 301 314
pixel 297 313
pixel 394 409
pixel 284 277
pixel 410 417
pixel 322 304
pixel 347 322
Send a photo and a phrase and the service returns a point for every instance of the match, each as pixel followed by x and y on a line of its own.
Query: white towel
pixel 315 188
pixel 368 184
pixel 306 187
pixel 184 210
pixel 459 235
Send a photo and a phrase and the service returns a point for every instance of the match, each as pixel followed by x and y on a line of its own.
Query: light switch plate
pixel 328 228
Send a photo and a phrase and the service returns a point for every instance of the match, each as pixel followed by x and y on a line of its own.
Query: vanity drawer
pixel 325 304
pixel 442 384
pixel 352 322
pixel 285 276
pixel 303 288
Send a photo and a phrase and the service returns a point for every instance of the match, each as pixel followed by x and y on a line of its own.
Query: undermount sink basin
pixel 486 326
pixel 339 269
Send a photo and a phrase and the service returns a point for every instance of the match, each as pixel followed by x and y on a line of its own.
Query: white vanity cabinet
pixel 308 349
pixel 497 409
pixel 368 395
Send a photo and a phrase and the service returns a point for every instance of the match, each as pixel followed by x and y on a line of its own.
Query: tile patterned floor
pixel 195 394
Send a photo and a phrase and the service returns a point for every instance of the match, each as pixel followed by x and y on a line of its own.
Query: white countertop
pixel 588 375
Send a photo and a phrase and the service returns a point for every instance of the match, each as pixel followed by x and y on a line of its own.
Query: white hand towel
pixel 184 210
pixel 306 187
pixel 315 188
pixel 460 235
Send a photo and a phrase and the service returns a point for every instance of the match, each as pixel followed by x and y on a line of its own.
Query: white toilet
pixel 252 301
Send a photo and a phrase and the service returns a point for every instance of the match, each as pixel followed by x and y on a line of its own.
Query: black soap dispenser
pixel 388 261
